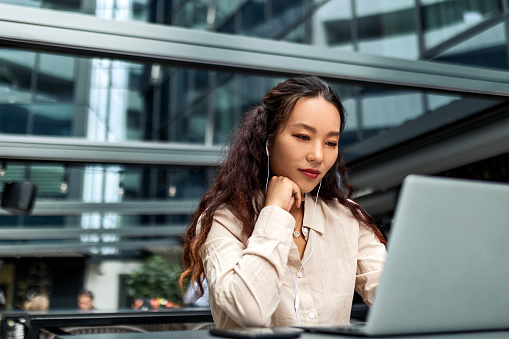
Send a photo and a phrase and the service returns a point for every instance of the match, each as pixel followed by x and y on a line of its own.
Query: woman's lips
pixel 310 173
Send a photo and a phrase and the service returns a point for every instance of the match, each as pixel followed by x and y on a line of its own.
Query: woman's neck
pixel 298 213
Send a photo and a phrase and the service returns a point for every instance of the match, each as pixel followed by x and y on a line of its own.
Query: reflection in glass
pixel 117 101
pixel 442 20
pixel 380 27
pixel 53 120
pixel 48 179
pixel 106 100
pixel 387 27
pixel 101 184
pixel 486 49
pixel 12 172
pixel 226 110
pixel 16 81
pixel 55 77
pixel 252 19
pixel 318 22
pixel 332 26
pixel 14 118
pixel 122 10
pixel 69 6
pixel 435 101
pixel 353 130
pixel 383 110
pixel 219 15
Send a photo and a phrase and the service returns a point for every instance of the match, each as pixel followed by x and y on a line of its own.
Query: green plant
pixel 156 278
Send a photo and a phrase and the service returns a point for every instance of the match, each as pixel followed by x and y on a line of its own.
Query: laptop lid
pixel 448 259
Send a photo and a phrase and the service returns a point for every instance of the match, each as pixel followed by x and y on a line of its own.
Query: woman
pixel 290 250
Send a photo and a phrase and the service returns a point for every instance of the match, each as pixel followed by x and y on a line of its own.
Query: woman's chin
pixel 306 189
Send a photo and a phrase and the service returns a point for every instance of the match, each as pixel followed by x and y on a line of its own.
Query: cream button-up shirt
pixel 254 281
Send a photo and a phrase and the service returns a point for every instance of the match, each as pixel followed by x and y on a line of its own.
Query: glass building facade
pixel 118 109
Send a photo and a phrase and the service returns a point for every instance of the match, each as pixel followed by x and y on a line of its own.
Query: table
pixel 34 321
pixel 203 334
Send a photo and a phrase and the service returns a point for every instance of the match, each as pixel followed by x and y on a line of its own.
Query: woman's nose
pixel 315 154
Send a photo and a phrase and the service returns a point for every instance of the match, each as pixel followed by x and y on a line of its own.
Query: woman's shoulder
pixel 224 218
pixel 225 214
pixel 334 211
pixel 334 206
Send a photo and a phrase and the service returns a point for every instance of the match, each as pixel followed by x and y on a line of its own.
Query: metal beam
pixel 43 232
pixel 79 150
pixel 76 33
pixel 473 144
pixel 147 207
pixel 79 249
pixel 424 124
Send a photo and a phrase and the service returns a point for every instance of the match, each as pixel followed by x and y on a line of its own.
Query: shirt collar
pixel 309 206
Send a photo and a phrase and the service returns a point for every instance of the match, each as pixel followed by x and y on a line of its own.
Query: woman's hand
pixel 283 192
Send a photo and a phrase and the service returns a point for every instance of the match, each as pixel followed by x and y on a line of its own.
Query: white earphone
pixel 268 164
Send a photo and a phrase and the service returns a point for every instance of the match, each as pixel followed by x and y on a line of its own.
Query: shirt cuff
pixel 275 223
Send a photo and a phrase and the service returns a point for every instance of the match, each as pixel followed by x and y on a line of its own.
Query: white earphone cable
pixel 296 295
pixel 268 165
pixel 311 227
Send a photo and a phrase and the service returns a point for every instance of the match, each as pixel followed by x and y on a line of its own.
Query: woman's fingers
pixel 298 196
pixel 283 192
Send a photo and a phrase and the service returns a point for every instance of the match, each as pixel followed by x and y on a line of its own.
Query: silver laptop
pixel 447 267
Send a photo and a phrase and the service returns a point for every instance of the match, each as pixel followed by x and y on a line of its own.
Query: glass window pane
pixel 486 49
pixel 55 78
pixel 332 25
pixel 64 5
pixel 225 110
pixel 48 179
pixel 54 120
pixel 387 27
pixel 292 20
pixel 223 14
pixel 13 172
pixel 380 27
pixel 443 19
pixel 252 19
pixel 16 76
pixel 383 110
pixel 435 101
pixel 111 183
pixel 14 118
pixel 353 127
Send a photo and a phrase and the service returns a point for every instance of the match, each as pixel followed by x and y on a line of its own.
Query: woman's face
pixel 306 147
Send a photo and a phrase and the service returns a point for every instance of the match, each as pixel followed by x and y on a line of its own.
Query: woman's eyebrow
pixel 313 130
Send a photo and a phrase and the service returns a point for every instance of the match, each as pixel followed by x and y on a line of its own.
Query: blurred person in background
pixel 86 300
pixel 37 303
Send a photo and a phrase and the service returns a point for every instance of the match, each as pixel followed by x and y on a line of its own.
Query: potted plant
pixel 156 280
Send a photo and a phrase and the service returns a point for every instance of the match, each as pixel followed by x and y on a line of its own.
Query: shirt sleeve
pixel 245 276
pixel 370 262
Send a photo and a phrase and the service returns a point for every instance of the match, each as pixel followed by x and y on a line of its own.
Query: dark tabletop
pixel 204 334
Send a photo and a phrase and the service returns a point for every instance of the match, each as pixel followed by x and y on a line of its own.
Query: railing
pixel 54 321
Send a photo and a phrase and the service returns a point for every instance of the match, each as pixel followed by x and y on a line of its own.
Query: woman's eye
pixel 302 137
pixel 331 144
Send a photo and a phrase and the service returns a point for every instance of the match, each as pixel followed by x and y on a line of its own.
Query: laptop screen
pixel 448 259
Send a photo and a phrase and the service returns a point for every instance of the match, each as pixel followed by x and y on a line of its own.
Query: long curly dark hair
pixel 245 170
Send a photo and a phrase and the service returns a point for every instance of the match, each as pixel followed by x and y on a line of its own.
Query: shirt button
pixel 299 274
pixel 311 315
pixel 289 230
pixel 305 230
